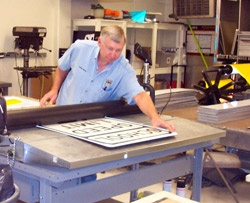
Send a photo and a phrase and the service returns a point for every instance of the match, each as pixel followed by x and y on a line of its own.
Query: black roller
pixel 17 119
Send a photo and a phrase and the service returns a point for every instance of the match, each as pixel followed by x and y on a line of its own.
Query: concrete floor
pixel 209 194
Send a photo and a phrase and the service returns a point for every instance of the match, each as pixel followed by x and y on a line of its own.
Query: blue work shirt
pixel 84 84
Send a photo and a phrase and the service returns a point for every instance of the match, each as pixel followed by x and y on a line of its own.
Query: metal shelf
pixel 179 28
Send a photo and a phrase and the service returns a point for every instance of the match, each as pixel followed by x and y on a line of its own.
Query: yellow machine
pixel 229 80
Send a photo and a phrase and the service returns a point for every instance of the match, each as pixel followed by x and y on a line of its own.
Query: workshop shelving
pixel 180 40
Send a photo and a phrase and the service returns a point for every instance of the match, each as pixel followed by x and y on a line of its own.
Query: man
pixel 91 71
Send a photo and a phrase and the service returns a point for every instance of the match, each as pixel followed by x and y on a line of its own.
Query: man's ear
pixel 99 41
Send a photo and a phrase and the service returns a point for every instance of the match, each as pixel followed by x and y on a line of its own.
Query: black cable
pixel 142 69
pixel 19 83
pixel 5 145
pixel 18 79
pixel 169 98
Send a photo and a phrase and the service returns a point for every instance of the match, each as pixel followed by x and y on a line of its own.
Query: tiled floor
pixel 211 194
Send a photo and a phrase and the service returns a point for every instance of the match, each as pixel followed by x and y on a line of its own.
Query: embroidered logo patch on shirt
pixel 107 84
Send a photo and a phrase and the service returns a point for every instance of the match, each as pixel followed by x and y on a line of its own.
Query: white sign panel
pixel 109 132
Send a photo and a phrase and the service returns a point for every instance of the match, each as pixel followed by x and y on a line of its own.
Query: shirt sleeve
pixel 129 85
pixel 65 60
pixel 71 56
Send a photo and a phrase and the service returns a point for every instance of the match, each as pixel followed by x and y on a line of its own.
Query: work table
pixel 52 164
pixel 51 148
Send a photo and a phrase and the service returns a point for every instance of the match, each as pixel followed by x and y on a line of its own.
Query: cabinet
pixel 180 40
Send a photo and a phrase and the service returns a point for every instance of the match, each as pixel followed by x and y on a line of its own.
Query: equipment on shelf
pixel 30 38
pixel 142 54
pixel 223 87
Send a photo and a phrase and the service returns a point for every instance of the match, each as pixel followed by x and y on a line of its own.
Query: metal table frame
pixel 54 184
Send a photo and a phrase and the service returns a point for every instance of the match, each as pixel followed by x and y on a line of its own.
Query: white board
pixel 109 132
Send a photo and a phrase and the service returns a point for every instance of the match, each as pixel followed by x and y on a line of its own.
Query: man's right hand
pixel 49 98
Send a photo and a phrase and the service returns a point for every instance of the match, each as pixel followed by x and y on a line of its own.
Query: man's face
pixel 110 50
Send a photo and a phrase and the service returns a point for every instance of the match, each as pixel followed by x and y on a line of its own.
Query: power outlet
pixel 168 60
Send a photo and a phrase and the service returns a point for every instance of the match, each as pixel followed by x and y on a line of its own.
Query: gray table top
pixel 73 153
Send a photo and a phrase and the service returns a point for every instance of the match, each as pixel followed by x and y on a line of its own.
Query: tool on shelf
pixel 30 38
pixel 142 54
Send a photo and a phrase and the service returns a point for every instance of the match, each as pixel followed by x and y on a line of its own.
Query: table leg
pixel 133 194
pixel 45 192
pixel 197 174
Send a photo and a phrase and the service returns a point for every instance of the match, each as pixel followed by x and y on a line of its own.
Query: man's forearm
pixel 146 105
pixel 144 102
pixel 59 78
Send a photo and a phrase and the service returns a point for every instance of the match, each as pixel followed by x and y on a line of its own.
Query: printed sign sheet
pixel 109 132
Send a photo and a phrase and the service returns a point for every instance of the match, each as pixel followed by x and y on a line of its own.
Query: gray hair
pixel 115 31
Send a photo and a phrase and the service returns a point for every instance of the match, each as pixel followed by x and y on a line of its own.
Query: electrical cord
pixel 142 69
pixel 18 78
pixel 42 78
pixel 42 81
pixel 169 98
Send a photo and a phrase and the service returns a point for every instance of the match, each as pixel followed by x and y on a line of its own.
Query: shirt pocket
pixel 105 93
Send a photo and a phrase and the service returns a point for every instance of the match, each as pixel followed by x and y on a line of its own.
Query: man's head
pixel 111 42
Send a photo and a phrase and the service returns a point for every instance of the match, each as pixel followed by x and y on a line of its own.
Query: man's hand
pixel 49 98
pixel 144 102
pixel 159 122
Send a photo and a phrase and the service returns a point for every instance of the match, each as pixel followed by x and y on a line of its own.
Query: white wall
pixel 42 13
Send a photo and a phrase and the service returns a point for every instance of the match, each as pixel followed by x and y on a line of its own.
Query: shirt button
pixel 92 80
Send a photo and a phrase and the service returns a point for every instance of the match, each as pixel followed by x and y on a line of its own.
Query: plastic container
pixel 181 187
pixel 167 185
